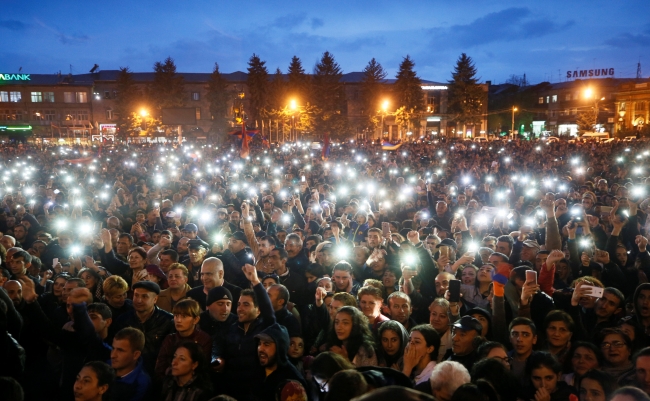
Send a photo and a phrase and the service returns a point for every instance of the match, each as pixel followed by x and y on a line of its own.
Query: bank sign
pixel 598 72
pixel 15 77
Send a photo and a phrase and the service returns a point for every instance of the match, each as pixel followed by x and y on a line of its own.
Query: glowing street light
pixel 384 107
pixel 512 131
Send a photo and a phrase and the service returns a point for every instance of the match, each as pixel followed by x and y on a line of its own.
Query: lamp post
pixel 590 95
pixel 293 106
pixel 144 113
pixel 512 128
pixel 384 107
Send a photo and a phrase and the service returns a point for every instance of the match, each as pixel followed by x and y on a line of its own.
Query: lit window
pixel 196 96
pixel 82 97
pixel 4 96
pixel 109 114
pixel 198 113
pixel 541 100
pixel 37 97
pixel 68 97
pixel 48 97
pixel 15 97
pixel 554 99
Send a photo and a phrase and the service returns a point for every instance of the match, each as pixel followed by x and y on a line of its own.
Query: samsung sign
pixel 602 72
pixel 15 77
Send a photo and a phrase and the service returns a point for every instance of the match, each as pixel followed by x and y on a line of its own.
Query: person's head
pixel 585 356
pixel 145 296
pixel 177 276
pixel 465 335
pixel 266 244
pixel 393 337
pixel 137 258
pixel 188 360
pixel 296 347
pixel 425 340
pixel 346 385
pixel 340 300
pixel 642 368
pixel 212 273
pixel 468 274
pixel 610 304
pixel 167 258
pixel 219 303
pixel 349 322
pixel 495 350
pixel 58 284
pixel 442 283
pixel 90 277
pixel 445 379
pixel 71 284
pixel 278 258
pixel 124 243
pixel 115 289
pixel 374 237
pixel 370 302
pixel 293 245
pixel 439 315
pixel 544 371
pixel 596 385
pixel 642 301
pixel 325 365
pixel 19 263
pixel 523 336
pixel 128 344
pixel 279 296
pixel 497 375
pixel 559 327
pixel 399 304
pixel 247 307
pixel 616 346
pixel 14 290
pixel 342 276
pixel 629 393
pixel 93 381
pixel 504 244
pixel 186 316
pixel 101 317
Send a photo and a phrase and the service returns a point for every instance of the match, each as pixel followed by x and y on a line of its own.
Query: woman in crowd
pixel 439 320
pixel 468 274
pixel 421 353
pixel 94 382
pixel 390 280
pixel 559 328
pixel 477 293
pixel 617 350
pixel 94 282
pixel 349 336
pixel 544 371
pixel 393 338
pixel 596 385
pixel 495 350
pixel 188 379
pixel 54 298
pixel 584 357
pixel 115 290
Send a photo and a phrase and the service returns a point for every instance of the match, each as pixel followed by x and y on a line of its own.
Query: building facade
pixel 633 106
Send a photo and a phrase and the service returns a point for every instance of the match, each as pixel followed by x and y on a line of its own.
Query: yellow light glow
pixel 144 113
pixel 384 106
pixel 589 93
pixel 292 104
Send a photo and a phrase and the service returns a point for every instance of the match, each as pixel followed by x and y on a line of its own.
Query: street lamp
pixel 512 128
pixel 144 113
pixel 384 107
pixel 590 95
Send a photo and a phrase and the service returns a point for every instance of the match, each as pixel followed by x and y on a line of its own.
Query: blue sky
pixel 540 38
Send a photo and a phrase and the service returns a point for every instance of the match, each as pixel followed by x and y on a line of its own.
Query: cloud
pixel 65 38
pixel 628 40
pixel 317 23
pixel 289 21
pixel 511 24
pixel 13 25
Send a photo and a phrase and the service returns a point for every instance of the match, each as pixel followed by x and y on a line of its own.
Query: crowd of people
pixel 500 271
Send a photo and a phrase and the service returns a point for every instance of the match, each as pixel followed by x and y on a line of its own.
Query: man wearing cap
pixel 465 339
pixel 235 257
pixel 212 275
pixel 272 348
pixel 218 316
pixel 154 322
pixel 197 250
pixel 177 280
pixel 191 231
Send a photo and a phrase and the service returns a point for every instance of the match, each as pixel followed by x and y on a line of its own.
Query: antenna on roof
pixel 20 69
pixel 638 69
pixel 95 67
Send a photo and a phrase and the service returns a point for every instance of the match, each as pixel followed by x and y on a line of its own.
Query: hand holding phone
pixel 531 276
pixel 454 290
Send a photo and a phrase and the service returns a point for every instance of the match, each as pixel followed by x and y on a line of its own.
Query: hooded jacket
pixel 284 371
pixel 385 359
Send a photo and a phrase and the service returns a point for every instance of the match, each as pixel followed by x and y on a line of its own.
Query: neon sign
pixel 15 77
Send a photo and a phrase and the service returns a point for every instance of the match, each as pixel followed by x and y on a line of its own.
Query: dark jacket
pixel 172 341
pixel 135 386
pixel 199 296
pixel 214 327
pixel 298 264
pixel 297 285
pixel 289 321
pixel 197 389
pixel 284 371
pixel 240 350
pixel 155 329
pixel 232 264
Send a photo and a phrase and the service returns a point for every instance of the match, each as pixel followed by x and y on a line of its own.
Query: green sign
pixel 15 77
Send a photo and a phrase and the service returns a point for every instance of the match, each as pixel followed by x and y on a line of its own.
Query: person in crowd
pixel 187 379
pixel 349 336
pixel 465 340
pixel 544 372
pixel 421 353
pixel 393 338
pixel 445 379
pixel 617 350
pixel 132 383
pixel 94 381
pixel 177 277
pixel 596 385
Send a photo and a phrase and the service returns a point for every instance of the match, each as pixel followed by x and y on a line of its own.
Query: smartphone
pixel 385 228
pixel 531 276
pixel 302 178
pixel 444 251
pixel 596 292
pixel 454 290
pixel 55 261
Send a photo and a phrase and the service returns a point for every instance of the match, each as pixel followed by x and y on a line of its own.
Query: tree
pixel 329 96
pixel 408 93
pixel 167 89
pixel 298 85
pixel 258 87
pixel 218 96
pixel 465 95
pixel 371 93
pixel 128 100
pixel 587 121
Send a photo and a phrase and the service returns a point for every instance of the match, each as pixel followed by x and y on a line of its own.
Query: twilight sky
pixel 544 39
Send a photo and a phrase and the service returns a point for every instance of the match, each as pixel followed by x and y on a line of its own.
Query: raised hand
pixel 251 274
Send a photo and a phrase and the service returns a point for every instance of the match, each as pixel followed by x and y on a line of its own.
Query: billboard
pixel 179 116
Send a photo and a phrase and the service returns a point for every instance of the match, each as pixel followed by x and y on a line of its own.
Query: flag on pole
pixel 325 154
pixel 389 146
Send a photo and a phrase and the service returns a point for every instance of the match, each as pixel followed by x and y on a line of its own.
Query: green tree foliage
pixel 218 96
pixel 128 102
pixel 167 89
pixel 409 94
pixel 258 87
pixel 299 83
pixel 587 121
pixel 372 91
pixel 465 95
pixel 329 97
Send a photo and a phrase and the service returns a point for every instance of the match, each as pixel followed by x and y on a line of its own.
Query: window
pixel 48 97
pixel 540 100
pixel 4 96
pixel 640 106
pixel 49 115
pixel 37 97
pixel 68 97
pixel 548 99
pixel 196 96
pixel 554 98
pixel 552 113
pixel 198 113
pixel 567 97
pixel 82 97
pixel 16 115
pixel 109 114
pixel 15 97
pixel 107 94
pixel 37 115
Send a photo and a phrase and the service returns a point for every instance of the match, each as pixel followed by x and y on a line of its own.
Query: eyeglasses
pixel 613 344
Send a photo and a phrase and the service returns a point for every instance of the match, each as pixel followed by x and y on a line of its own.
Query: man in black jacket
pixel 295 282
pixel 298 259
pixel 235 257
pixel 154 322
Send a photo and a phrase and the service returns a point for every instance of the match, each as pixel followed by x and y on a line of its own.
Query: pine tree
pixel 465 95
pixel 258 87
pixel 219 97
pixel 298 82
pixel 167 89
pixel 129 95
pixel 329 97
pixel 372 86
pixel 409 93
